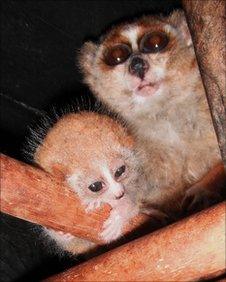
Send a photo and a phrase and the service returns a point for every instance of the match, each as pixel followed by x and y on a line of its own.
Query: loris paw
pixel 65 236
pixel 112 228
pixel 92 205
pixel 197 198
pixel 59 235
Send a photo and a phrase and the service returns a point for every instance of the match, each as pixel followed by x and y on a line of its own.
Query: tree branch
pixel 34 195
pixel 206 20
pixel 190 250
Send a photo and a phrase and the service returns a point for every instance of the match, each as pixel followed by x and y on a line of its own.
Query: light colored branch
pixel 33 195
pixel 189 250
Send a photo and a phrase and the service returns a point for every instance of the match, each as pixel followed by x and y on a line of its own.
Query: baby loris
pixel 146 71
pixel 95 156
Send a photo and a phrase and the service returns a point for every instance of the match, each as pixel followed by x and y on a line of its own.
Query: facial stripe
pixel 113 186
pixel 132 35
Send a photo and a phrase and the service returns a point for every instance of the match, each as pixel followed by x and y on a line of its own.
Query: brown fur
pixel 69 145
pixel 83 148
pixel 173 126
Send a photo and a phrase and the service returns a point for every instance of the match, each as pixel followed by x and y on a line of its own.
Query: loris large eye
pixel 153 42
pixel 96 186
pixel 120 171
pixel 117 54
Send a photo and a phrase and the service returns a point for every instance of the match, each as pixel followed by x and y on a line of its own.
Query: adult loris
pixel 146 71
pixel 94 154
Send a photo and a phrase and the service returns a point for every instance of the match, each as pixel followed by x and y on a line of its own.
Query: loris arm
pixel 207 190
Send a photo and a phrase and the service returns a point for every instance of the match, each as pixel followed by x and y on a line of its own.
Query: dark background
pixel 39 41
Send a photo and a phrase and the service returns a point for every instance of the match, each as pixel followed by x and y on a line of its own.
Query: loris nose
pixel 119 196
pixel 138 67
pixel 118 191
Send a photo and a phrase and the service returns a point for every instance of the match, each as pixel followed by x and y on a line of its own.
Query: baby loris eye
pixel 117 54
pixel 120 171
pixel 153 42
pixel 96 186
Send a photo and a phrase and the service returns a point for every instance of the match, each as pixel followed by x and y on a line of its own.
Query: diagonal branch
pixel 33 195
pixel 189 250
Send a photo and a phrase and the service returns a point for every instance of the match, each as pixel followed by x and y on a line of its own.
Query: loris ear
pixel 178 20
pixel 59 171
pixel 86 57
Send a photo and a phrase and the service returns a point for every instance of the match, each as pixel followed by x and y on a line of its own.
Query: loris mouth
pixel 146 89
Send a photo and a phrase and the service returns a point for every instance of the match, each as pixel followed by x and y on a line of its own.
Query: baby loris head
pixel 135 64
pixel 93 153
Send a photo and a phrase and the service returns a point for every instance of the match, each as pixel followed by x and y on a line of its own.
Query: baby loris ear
pixel 59 171
pixel 86 57
pixel 178 20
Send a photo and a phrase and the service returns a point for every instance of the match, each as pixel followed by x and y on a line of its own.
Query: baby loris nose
pixel 118 191
pixel 119 196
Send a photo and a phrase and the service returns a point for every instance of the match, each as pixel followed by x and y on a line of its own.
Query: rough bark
pixel 33 195
pixel 190 250
pixel 206 20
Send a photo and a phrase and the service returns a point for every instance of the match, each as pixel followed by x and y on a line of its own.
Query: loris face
pixel 106 179
pixel 136 64
pixel 94 154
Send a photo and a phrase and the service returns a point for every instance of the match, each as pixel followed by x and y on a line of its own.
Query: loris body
pixel 146 71
pixel 95 157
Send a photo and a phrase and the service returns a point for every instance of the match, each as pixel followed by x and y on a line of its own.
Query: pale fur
pixel 173 127
pixel 86 147
pixel 132 34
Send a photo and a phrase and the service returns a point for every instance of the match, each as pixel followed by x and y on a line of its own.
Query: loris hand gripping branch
pixel 146 71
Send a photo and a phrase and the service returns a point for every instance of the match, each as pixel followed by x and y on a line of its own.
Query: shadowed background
pixel 39 41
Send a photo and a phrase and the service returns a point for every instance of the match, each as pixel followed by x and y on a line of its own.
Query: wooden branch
pixel 207 26
pixel 188 250
pixel 31 194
